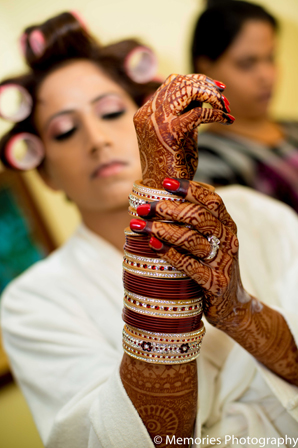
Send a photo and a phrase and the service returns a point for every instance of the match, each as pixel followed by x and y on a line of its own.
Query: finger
pixel 189 240
pixel 196 216
pixel 199 193
pixel 219 85
pixel 193 118
pixel 214 280
pixel 190 90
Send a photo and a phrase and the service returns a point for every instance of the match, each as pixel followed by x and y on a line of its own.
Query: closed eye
pixel 65 135
pixel 113 115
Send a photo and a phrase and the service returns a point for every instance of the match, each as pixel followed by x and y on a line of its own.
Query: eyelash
pixel 68 134
pixel 113 115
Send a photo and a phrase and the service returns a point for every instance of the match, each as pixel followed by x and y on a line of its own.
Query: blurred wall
pixel 164 24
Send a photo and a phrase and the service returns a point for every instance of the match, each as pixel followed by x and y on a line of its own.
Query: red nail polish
pixel 219 84
pixel 144 209
pixel 231 117
pixel 171 184
pixel 155 243
pixel 137 225
pixel 227 102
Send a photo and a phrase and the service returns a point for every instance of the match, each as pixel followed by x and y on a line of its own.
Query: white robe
pixel 61 323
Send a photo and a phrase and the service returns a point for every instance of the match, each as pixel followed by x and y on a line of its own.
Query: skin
pixel 98 135
pixel 262 331
pixel 167 135
pixel 94 159
pixel 249 71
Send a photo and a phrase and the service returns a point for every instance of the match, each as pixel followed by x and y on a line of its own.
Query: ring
pixel 214 243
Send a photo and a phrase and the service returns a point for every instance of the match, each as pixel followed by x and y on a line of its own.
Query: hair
pixel 65 40
pixel 218 26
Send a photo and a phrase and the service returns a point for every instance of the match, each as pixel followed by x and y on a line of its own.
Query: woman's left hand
pixel 259 329
pixel 205 216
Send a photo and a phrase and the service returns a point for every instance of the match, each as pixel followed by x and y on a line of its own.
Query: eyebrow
pixel 69 111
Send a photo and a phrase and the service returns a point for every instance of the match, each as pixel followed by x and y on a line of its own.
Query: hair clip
pixel 141 64
pixel 15 102
pixel 37 42
pixel 24 151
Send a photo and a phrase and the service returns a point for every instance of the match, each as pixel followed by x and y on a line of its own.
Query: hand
pixel 167 124
pixel 204 214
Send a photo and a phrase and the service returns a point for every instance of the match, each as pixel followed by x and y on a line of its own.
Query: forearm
pixel 264 333
pixel 165 396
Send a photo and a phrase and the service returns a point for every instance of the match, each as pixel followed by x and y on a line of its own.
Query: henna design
pixel 259 329
pixel 165 396
pixel 166 126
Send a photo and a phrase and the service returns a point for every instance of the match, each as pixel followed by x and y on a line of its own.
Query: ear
pixel 203 65
pixel 47 178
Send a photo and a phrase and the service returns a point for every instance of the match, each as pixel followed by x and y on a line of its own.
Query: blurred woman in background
pixel 235 42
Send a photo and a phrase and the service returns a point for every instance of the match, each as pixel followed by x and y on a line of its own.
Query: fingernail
pixel 144 209
pixel 171 184
pixel 178 186
pixel 137 225
pixel 230 118
pixel 226 103
pixel 155 243
pixel 219 84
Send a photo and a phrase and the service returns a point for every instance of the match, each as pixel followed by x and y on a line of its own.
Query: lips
pixel 108 169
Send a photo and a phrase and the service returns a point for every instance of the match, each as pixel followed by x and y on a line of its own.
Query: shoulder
pixel 265 225
pixel 290 128
pixel 82 266
pixel 243 199
pixel 218 141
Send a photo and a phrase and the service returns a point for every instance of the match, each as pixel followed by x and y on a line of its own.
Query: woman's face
pixel 248 69
pixel 85 121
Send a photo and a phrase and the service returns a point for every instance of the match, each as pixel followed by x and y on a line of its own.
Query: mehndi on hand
pixel 167 124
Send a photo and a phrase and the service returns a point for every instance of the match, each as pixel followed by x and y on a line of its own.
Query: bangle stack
pixel 162 306
pixel 141 195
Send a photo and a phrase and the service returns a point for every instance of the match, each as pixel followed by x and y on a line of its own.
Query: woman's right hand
pixel 166 126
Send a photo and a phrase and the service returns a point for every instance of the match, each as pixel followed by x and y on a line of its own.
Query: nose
pixel 97 136
pixel 267 72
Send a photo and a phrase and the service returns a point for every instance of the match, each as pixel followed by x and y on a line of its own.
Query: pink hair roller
pixel 24 151
pixel 37 42
pixel 23 43
pixel 80 19
pixel 10 93
pixel 141 65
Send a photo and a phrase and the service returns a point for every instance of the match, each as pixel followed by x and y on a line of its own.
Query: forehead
pixel 74 83
pixel 254 37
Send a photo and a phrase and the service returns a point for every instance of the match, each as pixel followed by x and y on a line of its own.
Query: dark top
pixel 273 170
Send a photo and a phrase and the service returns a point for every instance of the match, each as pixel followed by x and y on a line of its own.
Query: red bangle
pixel 162 288
pixel 161 325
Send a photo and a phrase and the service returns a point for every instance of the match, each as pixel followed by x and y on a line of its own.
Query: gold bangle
pixel 142 194
pixel 164 350
pixel 151 269
pixel 162 308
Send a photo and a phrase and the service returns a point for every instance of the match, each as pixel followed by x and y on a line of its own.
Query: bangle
pixel 142 194
pixel 162 306
pixel 162 288
pixel 162 348
pixel 160 324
